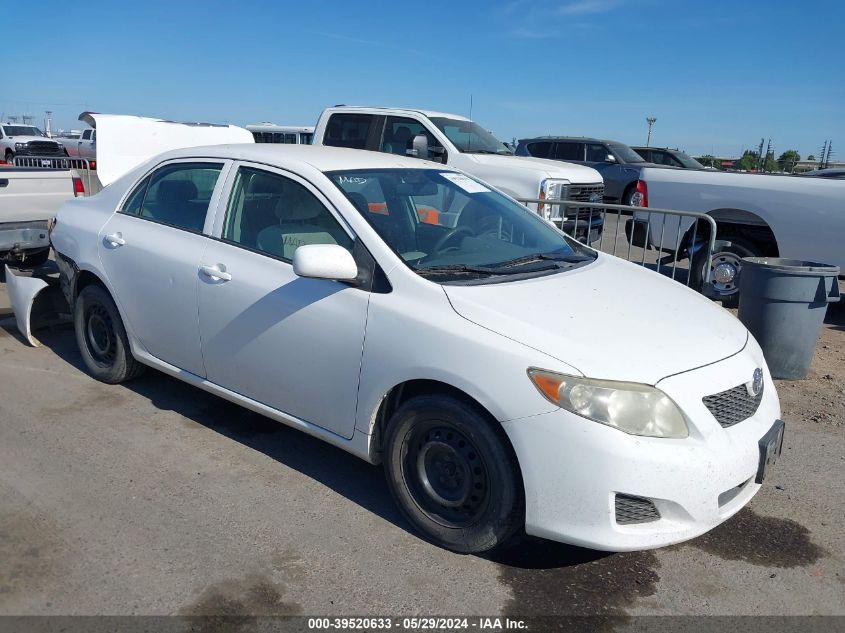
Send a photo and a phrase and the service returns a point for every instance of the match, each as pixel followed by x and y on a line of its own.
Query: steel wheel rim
pixel 99 335
pixel 445 475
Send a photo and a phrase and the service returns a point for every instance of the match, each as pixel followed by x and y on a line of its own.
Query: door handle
pixel 115 239
pixel 215 272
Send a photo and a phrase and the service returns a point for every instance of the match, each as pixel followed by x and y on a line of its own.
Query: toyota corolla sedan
pixel 416 317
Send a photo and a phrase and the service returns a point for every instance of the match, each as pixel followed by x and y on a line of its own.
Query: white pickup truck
pixel 29 198
pixel 755 214
pixel 27 140
pixel 463 144
pixel 83 147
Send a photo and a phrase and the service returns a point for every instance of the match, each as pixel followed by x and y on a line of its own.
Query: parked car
pixel 456 141
pixel 617 163
pixel 756 215
pixel 830 172
pixel 668 157
pixel 301 283
pixel 85 146
pixel 29 199
pixel 26 140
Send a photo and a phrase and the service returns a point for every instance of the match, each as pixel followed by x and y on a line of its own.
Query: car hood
pixel 28 139
pixel 124 142
pixel 580 174
pixel 610 319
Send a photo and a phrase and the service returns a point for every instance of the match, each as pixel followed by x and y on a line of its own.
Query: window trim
pixel 216 232
pixel 213 201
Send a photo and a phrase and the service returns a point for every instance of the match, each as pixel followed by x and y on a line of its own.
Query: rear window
pixel 348 130
pixel 543 149
pixel 569 151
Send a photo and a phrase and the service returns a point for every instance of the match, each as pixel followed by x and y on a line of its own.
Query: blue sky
pixel 718 75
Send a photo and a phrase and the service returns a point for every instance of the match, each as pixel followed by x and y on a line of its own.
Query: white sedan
pixel 506 376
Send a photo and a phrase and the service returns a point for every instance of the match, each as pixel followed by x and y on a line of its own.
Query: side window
pixel 86 135
pixel 399 132
pixel 565 150
pixel 275 215
pixel 543 149
pixel 596 152
pixel 179 194
pixel 132 206
pixel 348 130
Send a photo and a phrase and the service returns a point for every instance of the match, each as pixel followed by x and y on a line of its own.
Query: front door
pixel 150 250
pixel 291 343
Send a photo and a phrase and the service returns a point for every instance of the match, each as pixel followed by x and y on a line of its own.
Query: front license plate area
pixel 771 445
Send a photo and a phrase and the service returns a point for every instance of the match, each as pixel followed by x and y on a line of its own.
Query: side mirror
pixel 610 158
pixel 324 261
pixel 419 147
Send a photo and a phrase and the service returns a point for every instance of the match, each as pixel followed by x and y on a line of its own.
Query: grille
pixel 583 192
pixel 732 406
pixel 635 510
pixel 44 148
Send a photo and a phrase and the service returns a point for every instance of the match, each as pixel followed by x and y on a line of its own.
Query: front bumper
pixel 23 236
pixel 574 468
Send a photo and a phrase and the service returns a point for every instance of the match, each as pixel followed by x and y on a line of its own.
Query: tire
pixel 726 285
pixel 101 337
pixel 10 158
pixel 475 503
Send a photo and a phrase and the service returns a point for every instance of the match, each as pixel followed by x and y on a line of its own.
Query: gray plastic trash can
pixel 783 303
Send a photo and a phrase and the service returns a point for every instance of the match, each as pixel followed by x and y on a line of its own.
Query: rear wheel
pixel 102 338
pixel 452 474
pixel 724 269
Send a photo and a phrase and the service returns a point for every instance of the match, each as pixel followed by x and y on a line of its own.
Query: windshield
pixel 688 161
pixel 22 130
pixel 626 153
pixel 449 227
pixel 469 137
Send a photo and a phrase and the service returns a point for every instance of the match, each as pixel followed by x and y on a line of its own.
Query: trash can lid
pixel 790 265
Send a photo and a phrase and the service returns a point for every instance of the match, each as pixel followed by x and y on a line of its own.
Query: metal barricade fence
pixel 82 166
pixel 640 231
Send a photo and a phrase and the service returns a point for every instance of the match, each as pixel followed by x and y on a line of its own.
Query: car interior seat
pixel 301 220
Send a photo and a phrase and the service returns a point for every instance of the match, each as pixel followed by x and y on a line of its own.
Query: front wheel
pixel 724 269
pixel 10 158
pixel 102 338
pixel 454 477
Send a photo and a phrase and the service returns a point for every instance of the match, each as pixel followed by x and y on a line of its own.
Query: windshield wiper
pixel 457 268
pixel 534 257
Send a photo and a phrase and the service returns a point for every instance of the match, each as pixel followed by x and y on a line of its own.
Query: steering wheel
pixel 450 235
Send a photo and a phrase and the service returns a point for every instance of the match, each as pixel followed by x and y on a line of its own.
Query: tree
pixel 811 157
pixel 771 165
pixel 708 160
pixel 749 161
pixel 788 160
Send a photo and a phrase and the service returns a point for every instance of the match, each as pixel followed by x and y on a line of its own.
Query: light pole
pixel 650 120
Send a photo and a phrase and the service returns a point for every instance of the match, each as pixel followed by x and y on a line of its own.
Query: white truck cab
pixel 26 140
pixel 463 144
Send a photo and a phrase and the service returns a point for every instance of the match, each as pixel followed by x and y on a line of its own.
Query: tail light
pixel 78 187
pixel 640 197
pixel 92 164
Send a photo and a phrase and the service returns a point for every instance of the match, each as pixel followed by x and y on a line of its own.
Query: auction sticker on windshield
pixel 465 182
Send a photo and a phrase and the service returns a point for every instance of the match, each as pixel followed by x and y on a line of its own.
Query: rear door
pixel 151 250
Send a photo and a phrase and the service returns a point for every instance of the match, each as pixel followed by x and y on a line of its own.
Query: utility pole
pixel 821 156
pixel 650 120
pixel 829 152
pixel 48 123
pixel 760 155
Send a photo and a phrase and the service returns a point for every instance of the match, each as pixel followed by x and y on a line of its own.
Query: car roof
pixel 589 139
pixel 388 110
pixel 319 157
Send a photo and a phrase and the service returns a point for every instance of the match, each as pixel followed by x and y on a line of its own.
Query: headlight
pixel 20 145
pixel 552 189
pixel 628 406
